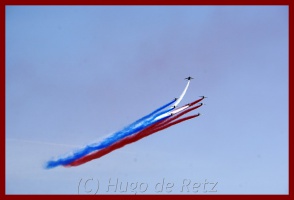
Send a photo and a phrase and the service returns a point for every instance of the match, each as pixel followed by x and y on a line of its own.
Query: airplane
pixel 175 100
pixel 189 78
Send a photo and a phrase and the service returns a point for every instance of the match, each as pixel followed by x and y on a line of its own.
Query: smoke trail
pixel 102 152
pixel 156 129
pixel 182 95
pixel 175 111
pixel 158 126
pixel 162 107
pixel 177 115
pixel 159 119
pixel 127 131
pixel 121 143
pixel 197 101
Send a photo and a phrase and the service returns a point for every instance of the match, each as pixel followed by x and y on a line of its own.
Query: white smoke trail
pixel 179 109
pixel 182 95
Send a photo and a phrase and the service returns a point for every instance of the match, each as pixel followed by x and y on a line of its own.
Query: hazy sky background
pixel 75 74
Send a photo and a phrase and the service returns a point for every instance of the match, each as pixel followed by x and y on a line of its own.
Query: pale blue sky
pixel 75 74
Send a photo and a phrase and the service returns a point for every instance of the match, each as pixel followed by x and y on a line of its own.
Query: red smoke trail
pixel 197 101
pixel 123 142
pixel 176 116
pixel 173 123
pixel 118 144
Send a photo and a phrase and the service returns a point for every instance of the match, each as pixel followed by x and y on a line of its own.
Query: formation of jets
pixel 190 78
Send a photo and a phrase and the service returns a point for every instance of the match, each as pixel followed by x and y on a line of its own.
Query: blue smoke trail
pixel 153 113
pixel 127 131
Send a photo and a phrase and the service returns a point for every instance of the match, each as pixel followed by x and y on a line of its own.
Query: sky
pixel 77 73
